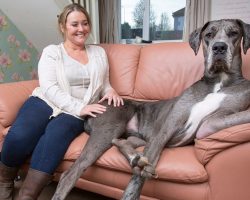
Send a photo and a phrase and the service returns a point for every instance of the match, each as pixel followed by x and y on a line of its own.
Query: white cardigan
pixel 54 88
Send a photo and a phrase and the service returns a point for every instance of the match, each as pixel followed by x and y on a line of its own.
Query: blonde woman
pixel 72 77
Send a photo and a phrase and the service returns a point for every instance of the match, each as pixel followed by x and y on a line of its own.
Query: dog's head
pixel 221 42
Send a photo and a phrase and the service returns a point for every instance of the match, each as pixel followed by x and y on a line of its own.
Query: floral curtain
pixel 18 57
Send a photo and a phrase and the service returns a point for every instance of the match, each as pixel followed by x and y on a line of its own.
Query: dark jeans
pixel 34 134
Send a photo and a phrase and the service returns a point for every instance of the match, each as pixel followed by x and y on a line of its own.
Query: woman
pixel 72 77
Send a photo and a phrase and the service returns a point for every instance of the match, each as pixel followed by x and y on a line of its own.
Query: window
pixel 152 19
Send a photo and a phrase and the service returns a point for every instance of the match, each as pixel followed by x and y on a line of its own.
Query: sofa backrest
pixel 156 71
pixel 165 70
pixel 150 72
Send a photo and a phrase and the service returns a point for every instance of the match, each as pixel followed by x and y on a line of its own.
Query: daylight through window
pixel 153 20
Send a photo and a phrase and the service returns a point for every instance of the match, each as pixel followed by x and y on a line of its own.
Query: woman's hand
pixel 91 109
pixel 111 95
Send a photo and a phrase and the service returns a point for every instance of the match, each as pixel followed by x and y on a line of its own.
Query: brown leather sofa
pixel 214 168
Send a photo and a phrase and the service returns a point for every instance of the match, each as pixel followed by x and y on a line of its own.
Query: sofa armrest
pixel 210 146
pixel 12 97
pixel 228 172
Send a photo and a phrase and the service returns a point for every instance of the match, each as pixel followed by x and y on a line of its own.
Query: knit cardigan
pixel 54 87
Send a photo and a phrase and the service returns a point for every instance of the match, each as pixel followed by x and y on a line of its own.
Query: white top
pixel 77 75
pixel 58 88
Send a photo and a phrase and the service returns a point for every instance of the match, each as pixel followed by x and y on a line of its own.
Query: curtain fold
pixel 109 20
pixel 81 2
pixel 197 13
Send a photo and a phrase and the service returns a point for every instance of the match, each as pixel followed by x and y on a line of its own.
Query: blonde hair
pixel 62 18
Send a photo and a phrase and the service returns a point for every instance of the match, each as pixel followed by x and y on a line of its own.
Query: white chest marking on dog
pixel 217 87
pixel 202 109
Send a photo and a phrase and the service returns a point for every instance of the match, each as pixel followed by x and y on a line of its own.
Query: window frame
pixel 146 25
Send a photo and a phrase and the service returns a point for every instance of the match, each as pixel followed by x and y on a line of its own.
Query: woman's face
pixel 77 28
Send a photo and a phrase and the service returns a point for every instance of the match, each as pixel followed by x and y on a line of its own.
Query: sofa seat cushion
pixel 176 164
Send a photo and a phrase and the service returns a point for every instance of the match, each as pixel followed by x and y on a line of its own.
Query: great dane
pixel 219 100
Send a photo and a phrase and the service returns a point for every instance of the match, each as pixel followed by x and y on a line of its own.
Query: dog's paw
pixel 117 142
pixel 148 172
pixel 143 161
pixel 136 170
pixel 134 160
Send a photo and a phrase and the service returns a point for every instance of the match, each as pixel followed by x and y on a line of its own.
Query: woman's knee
pixel 18 141
pixel 15 149
pixel 65 126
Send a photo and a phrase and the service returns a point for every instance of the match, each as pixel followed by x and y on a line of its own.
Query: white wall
pixel 239 9
pixel 37 20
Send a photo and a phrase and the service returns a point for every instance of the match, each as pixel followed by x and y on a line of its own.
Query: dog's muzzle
pixel 219 50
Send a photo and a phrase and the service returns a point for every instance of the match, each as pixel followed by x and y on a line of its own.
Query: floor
pixel 75 194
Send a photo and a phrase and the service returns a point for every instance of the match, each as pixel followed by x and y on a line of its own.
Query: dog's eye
pixel 233 33
pixel 208 35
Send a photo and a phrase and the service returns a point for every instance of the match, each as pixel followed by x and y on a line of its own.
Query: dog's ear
pixel 246 35
pixel 195 38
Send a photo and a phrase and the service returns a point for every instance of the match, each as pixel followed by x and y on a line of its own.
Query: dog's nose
pixel 219 47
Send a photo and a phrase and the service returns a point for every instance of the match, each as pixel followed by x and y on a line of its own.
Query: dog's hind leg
pixel 128 148
pixel 133 190
pixel 98 142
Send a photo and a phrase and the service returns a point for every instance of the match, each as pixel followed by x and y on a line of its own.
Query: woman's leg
pixel 20 142
pixel 25 132
pixel 48 153
pixel 54 143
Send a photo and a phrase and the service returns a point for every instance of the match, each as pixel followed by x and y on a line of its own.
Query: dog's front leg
pixel 133 190
pixel 99 141
pixel 221 121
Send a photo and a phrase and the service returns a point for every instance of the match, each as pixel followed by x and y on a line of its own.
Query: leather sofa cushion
pixel 159 78
pixel 123 62
pixel 176 164
pixel 246 65
pixel 210 146
pixel 12 98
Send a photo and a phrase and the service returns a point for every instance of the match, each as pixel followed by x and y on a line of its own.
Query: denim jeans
pixel 34 134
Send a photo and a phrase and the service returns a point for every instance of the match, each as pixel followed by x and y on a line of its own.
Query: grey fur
pixel 161 124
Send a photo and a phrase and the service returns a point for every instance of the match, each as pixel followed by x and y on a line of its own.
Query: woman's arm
pixel 50 86
pixel 108 92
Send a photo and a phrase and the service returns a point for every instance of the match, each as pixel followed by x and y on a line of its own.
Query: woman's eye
pixel 85 24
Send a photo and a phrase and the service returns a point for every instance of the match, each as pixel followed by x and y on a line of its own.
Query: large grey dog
pixel 219 100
